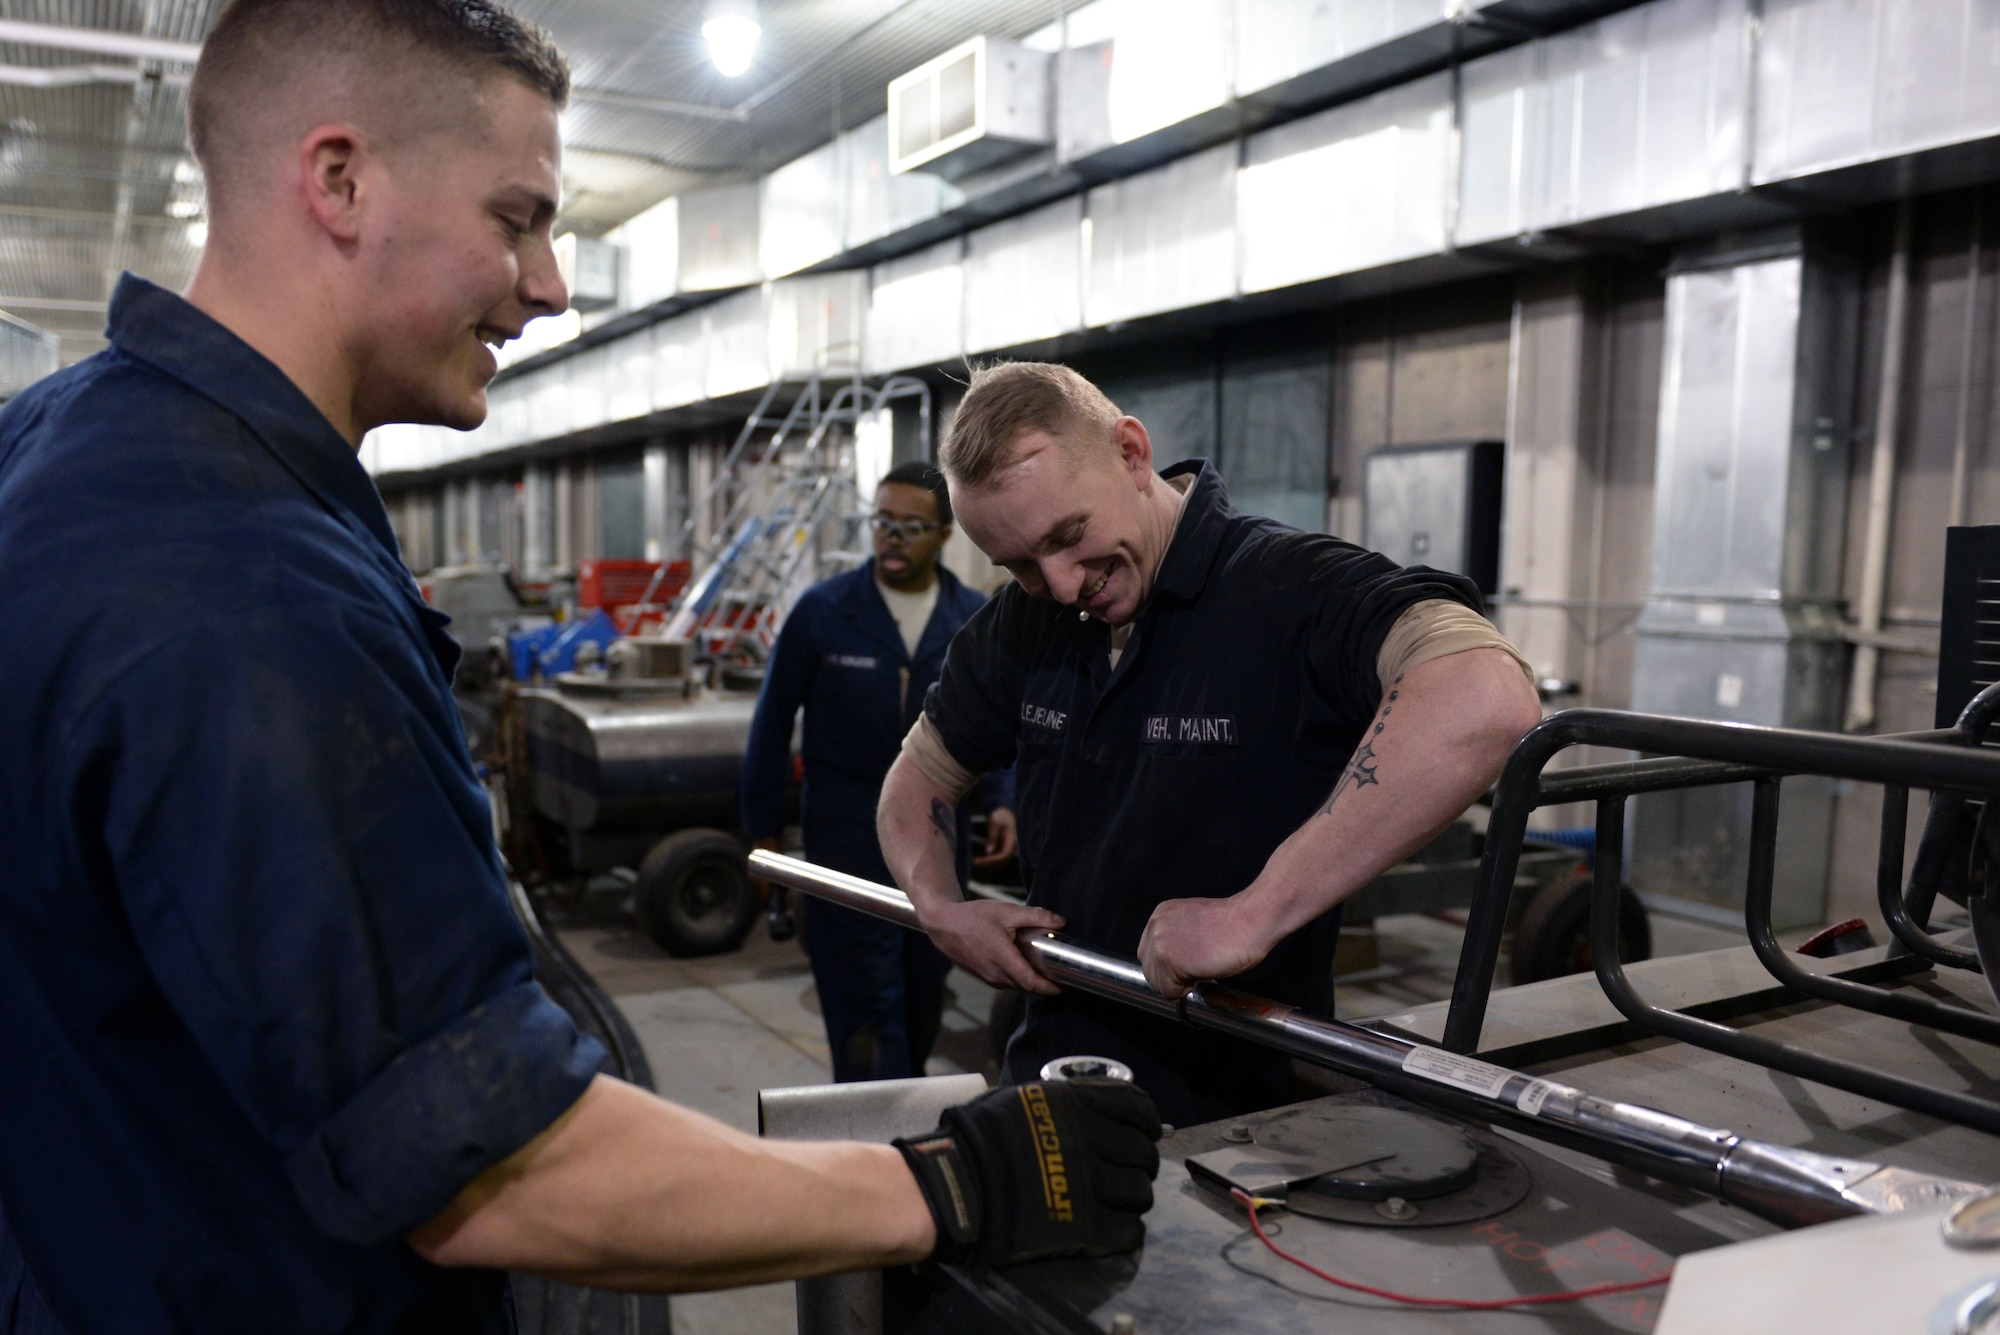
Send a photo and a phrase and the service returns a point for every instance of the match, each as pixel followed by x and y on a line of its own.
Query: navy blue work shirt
pixel 841 655
pixel 266 1007
pixel 1239 698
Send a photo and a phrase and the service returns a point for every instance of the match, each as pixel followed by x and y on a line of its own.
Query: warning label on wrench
pixel 1448 1068
pixel 1539 1092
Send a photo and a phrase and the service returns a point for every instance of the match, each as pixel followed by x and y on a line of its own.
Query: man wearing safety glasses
pixel 858 653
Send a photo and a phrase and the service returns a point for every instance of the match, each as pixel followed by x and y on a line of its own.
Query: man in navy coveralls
pixel 273 1058
pixel 1220 727
pixel 858 652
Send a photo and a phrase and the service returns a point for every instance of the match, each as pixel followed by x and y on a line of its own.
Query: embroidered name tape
pixel 1219 730
pixel 1040 716
pixel 852 660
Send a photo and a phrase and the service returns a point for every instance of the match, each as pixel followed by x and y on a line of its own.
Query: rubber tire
pixel 693 896
pixel 1553 936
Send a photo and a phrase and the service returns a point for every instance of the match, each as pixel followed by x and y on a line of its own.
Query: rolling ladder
pixel 792 511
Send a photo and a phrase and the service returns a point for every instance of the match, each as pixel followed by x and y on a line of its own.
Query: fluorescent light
pixel 732 32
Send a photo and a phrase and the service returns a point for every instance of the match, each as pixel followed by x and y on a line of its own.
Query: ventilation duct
pixel 1749 516
pixel 982 103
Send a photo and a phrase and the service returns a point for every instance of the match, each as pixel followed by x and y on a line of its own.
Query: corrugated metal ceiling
pixel 95 178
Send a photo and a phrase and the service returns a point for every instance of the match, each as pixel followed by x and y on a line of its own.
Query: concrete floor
pixel 718 1030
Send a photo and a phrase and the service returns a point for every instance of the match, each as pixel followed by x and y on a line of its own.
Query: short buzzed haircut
pixel 271 70
pixel 1006 401
pixel 922 475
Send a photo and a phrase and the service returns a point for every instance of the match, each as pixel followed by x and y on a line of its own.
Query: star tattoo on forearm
pixel 1361 768
pixel 946 821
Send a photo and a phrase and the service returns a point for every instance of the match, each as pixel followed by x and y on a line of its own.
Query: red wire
pixel 1464 1304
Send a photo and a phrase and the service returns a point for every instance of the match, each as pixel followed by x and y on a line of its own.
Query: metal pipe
pixel 1787 1186
pixel 96 41
pixel 1882 478
pixel 70 76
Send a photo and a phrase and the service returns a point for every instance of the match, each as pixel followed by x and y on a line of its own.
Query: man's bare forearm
pixel 1437 742
pixel 917 824
pixel 628 1191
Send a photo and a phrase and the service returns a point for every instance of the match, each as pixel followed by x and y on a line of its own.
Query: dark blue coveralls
pixel 1240 697
pixel 841 656
pixel 266 1007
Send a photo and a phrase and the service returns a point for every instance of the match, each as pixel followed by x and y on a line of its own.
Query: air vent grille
pixel 978 105
pixel 1969 638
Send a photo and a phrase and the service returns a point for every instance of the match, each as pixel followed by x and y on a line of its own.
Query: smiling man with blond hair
pixel 1220 728
pixel 274 1058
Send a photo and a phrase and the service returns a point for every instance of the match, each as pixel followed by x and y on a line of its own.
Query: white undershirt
pixel 912 611
pixel 1117 637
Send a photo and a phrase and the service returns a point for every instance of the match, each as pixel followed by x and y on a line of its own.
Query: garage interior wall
pixel 1562 362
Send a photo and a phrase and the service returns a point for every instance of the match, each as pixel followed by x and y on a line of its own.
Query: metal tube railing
pixel 1964 1109
pixel 1788 1186
pixel 1691 752
pixel 1960 1020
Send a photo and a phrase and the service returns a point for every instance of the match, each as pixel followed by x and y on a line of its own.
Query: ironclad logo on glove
pixel 1049 1151
pixel 1085 1146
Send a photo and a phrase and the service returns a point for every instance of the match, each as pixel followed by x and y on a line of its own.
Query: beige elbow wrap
pixel 1438 628
pixel 926 750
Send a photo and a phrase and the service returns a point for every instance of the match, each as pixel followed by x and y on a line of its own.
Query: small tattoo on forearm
pixel 1361 769
pixel 945 818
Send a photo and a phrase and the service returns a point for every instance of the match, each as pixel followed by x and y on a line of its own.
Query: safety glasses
pixel 902 530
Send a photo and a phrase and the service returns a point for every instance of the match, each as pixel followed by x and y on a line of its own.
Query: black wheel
pixel 693 896
pixel 749 680
pixel 1553 937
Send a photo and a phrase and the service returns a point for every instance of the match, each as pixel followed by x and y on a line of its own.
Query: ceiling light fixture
pixel 731 33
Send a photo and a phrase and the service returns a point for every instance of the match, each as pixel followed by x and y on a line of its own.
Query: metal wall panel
pixel 397 448
pixel 1740 620
pixel 680 360
pixel 590 376
pixel 1136 66
pixel 801 222
pixel 1023 278
pixel 1752 445
pixel 1165 64
pixel 1726 397
pixel 1178 411
pixel 508 413
pixel 1351 188
pixel 628 389
pixel 652 243
pixel 916 309
pixel 27 353
pixel 1494 191
pixel 738 343
pixel 1847 81
pixel 878 201
pixel 1275 434
pixel 1640 109
pixel 1279 39
pixel 548 410
pixel 1654 103
pixel 717 233
pixel 816 322
pixel 1164 240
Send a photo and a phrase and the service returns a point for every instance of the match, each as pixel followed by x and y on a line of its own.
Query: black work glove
pixel 1056 1168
